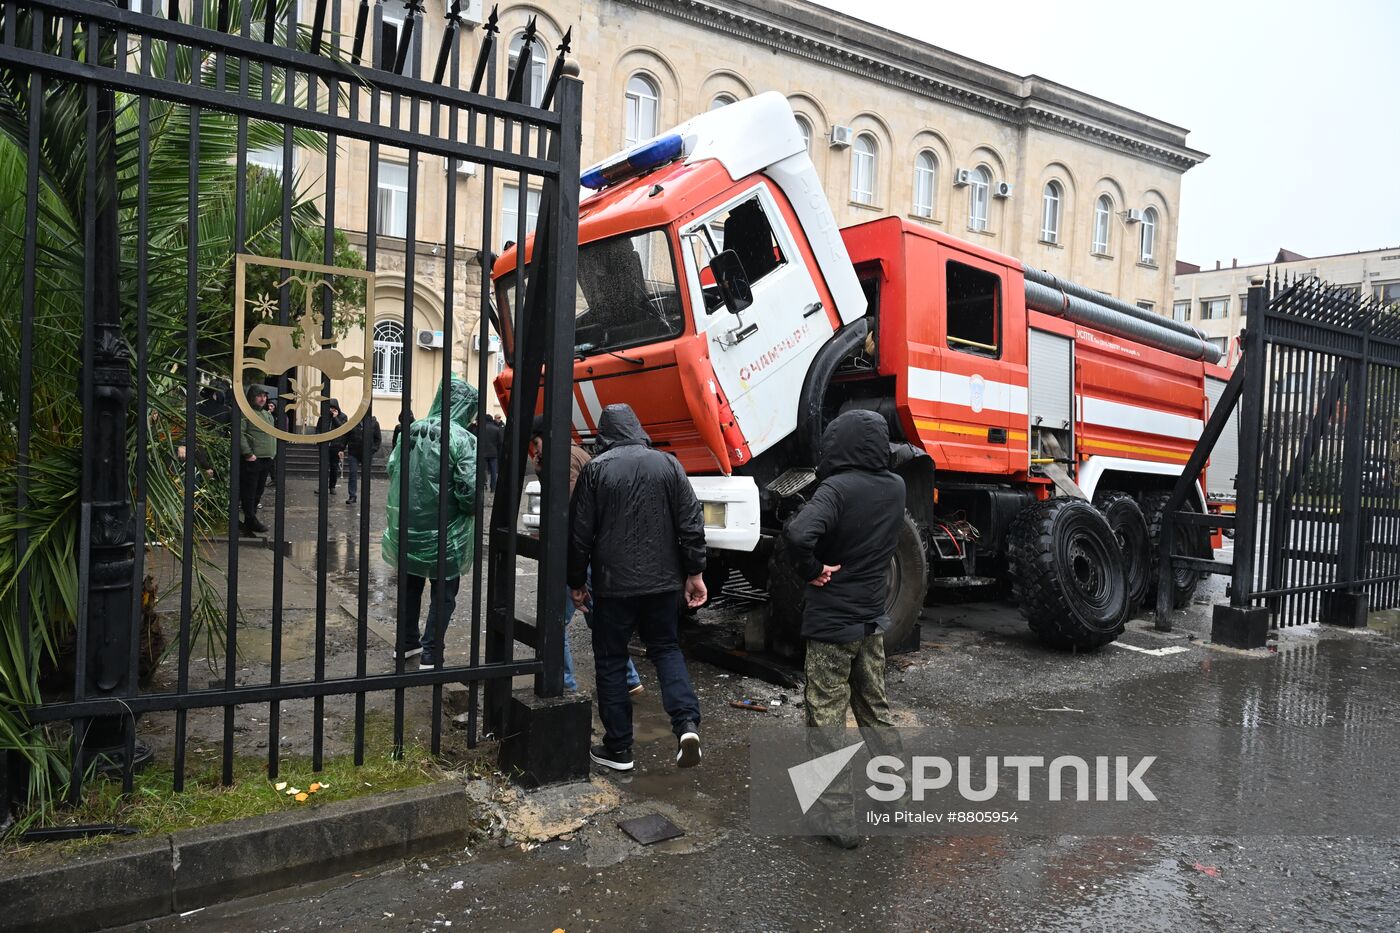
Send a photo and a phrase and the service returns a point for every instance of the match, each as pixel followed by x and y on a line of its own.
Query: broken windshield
pixel 626 293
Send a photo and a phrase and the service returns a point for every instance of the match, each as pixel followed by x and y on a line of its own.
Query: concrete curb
pixel 147 878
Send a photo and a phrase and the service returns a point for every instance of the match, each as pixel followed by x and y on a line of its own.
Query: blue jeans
pixel 491 463
pixel 570 683
pixel 655 618
pixel 432 637
pixel 352 471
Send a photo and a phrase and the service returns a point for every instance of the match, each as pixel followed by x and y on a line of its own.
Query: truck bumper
pixel 730 504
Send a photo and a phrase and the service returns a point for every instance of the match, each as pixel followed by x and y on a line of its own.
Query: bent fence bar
pixel 190 225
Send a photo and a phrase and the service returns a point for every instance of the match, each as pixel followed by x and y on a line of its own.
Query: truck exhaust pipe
pixel 1052 295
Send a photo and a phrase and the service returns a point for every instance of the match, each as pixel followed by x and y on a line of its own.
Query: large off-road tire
pixel 1123 515
pixel 908 577
pixel 1184 582
pixel 1067 574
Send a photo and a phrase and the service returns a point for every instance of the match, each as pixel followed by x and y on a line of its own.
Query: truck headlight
pixel 532 503
pixel 716 514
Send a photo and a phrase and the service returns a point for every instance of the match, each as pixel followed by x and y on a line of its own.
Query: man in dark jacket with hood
pixel 842 543
pixel 334 418
pixel 257 448
pixel 635 521
pixel 488 447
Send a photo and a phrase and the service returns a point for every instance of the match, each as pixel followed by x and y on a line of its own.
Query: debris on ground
pixel 748 704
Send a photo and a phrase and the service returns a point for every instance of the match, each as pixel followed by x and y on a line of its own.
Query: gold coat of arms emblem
pixel 317 366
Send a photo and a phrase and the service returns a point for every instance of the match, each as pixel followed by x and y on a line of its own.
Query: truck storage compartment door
pixel 1051 373
pixel 1225 459
pixel 761 355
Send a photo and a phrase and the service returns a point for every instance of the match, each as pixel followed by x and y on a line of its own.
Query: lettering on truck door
pixel 761 355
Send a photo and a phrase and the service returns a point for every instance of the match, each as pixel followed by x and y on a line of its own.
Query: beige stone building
pixel 1214 299
pixel 1065 181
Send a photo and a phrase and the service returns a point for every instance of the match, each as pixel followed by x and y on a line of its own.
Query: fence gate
pixel 1317 522
pixel 219 194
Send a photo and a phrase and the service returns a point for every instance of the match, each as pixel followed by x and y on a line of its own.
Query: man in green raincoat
pixel 419 515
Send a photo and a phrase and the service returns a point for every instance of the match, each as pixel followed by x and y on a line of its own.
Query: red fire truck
pixel 1038 424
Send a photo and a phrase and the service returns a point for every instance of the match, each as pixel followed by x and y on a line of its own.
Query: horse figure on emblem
pixel 288 346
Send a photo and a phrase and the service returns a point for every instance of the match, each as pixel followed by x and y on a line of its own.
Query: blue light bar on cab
pixel 634 162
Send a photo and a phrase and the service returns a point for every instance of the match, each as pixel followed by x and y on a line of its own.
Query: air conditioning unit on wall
pixel 1001 189
pixel 430 339
pixel 962 178
pixel 1132 216
pixel 493 344
pixel 471 12
pixel 841 136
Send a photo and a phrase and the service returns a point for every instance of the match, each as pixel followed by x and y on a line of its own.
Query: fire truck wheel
pixel 1067 574
pixel 1184 582
pixel 1130 528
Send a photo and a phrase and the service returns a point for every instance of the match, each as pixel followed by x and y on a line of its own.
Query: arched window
pixel 388 357
pixel 537 67
pixel 1103 211
pixel 863 169
pixel 1050 212
pixel 978 191
pixel 722 100
pixel 643 102
pixel 1148 237
pixel 925 181
pixel 804 126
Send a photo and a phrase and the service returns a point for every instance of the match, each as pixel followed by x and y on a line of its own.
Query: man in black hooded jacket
pixel 635 520
pixel 842 543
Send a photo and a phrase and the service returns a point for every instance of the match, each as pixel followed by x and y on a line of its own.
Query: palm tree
pixel 54 455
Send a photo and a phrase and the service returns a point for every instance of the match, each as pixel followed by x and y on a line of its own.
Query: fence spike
pixel 449 35
pixel 483 55
pixel 516 91
pixel 225 16
pixel 415 13
pixel 361 23
pixel 318 29
pixel 564 48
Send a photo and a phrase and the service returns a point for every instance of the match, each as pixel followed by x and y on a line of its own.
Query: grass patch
pixel 154 807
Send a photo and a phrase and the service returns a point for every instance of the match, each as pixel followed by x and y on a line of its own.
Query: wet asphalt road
pixel 977 666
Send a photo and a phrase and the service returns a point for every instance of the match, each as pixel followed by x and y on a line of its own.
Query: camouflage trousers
pixel 847 674
pixel 841 676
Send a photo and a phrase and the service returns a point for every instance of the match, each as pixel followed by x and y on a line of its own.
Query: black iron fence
pixel 203 197
pixel 1317 522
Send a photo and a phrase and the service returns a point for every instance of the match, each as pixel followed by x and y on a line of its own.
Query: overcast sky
pixel 1297 103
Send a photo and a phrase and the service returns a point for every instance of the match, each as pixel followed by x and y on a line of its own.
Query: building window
pixel 267 158
pixel 395 12
pixel 1103 210
pixel 1244 304
pixel 1221 344
pixel 925 180
pixel 1181 311
pixel 863 169
pixel 978 190
pixel 1147 238
pixel 974 300
pixel 804 127
pixel 1147 306
pixel 722 100
pixel 643 102
pixel 1214 309
pixel 393 199
pixel 388 357
pixel 1050 213
pixel 537 67
pixel 1386 292
pixel 510 212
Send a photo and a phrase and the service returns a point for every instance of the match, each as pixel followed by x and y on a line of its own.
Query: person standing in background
pixel 258 448
pixel 355 448
pixel 488 439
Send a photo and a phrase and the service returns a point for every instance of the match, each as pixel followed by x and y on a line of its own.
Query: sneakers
pixel 413 652
pixel 426 660
pixel 351 501
pixel 617 761
pixel 688 748
pixel 633 691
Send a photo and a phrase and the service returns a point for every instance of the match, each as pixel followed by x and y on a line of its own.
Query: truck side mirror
pixel 732 282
